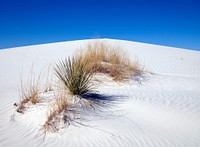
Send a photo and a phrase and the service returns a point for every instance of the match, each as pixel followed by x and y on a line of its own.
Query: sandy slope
pixel 160 108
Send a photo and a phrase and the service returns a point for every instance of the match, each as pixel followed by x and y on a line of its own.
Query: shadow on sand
pixel 103 100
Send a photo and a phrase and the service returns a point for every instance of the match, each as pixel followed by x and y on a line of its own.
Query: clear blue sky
pixel 172 23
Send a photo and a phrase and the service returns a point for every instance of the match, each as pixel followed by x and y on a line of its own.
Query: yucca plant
pixel 74 74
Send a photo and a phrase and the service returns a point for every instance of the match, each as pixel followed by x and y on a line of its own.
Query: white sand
pixel 160 108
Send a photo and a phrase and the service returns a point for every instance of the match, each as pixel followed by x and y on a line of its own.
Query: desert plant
pixel 47 78
pixel 74 75
pixel 28 92
pixel 55 113
pixel 62 111
pixel 105 58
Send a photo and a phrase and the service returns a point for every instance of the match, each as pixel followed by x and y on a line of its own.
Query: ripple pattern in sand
pixel 154 113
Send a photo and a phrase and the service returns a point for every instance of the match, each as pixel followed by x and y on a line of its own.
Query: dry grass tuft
pixel 105 58
pixel 28 93
pixel 30 90
pixel 47 76
pixel 58 113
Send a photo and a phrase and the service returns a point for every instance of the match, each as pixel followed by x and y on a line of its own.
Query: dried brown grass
pixel 48 80
pixel 105 58
pixel 65 109
pixel 29 91
pixel 57 113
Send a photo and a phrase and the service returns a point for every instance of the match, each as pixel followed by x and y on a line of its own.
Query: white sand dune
pixel 160 108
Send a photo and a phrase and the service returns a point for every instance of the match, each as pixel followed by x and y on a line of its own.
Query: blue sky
pixel 172 23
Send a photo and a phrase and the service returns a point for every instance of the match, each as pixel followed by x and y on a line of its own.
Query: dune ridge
pixel 159 108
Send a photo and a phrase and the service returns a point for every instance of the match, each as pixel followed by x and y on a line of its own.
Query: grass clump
pixel 57 114
pixel 75 75
pixel 107 59
pixel 28 93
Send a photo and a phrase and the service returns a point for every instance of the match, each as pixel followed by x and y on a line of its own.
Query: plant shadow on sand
pixel 88 108
pixel 104 107
pixel 140 77
pixel 103 100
